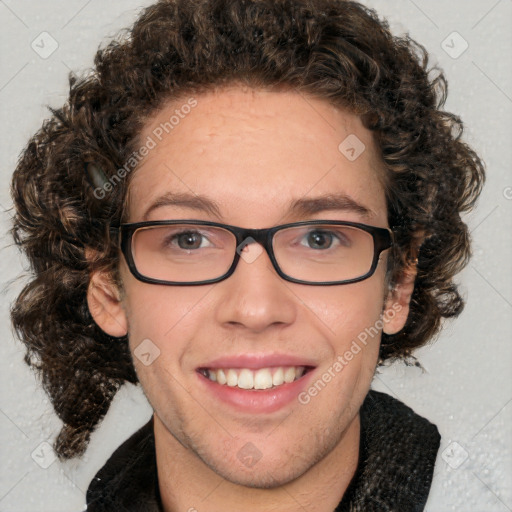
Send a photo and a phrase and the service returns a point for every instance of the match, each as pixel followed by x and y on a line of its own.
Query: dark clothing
pixel 397 454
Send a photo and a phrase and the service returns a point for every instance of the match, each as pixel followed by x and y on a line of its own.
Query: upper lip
pixel 256 361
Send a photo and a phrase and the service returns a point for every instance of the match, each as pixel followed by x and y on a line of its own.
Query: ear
pixel 104 301
pixel 396 309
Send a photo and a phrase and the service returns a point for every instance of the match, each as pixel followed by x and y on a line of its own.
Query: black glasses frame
pixel 382 239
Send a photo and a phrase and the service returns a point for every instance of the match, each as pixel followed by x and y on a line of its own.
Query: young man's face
pixel 253 154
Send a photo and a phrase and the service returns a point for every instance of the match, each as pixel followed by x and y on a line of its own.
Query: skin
pixel 254 151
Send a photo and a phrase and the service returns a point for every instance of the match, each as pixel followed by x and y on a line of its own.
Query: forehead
pixel 253 153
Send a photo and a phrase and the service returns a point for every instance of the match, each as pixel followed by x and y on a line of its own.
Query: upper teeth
pixel 264 378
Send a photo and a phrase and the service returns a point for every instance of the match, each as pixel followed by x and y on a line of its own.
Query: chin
pixel 264 477
pixel 279 465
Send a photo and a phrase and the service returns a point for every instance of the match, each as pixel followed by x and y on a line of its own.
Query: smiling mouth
pixel 260 379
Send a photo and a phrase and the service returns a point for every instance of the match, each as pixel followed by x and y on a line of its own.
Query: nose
pixel 255 297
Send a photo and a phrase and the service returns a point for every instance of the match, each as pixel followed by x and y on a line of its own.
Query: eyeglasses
pixel 194 252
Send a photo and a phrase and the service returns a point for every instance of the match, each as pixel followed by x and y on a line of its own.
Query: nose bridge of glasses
pixel 250 236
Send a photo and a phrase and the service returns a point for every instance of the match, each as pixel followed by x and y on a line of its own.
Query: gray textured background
pixel 467 388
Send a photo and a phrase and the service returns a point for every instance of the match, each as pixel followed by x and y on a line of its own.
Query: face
pixel 253 154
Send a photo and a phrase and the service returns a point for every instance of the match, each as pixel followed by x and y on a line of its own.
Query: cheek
pixel 350 318
pixel 346 311
pixel 162 321
pixel 158 310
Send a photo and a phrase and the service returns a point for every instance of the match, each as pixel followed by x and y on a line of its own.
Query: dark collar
pixel 397 454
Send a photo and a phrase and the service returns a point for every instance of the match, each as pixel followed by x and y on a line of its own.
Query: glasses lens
pixel 183 252
pixel 324 252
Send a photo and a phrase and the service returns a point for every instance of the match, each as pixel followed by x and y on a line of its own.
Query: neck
pixel 186 483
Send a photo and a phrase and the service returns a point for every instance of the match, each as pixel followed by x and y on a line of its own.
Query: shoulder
pixel 128 480
pixel 396 418
pixel 399 450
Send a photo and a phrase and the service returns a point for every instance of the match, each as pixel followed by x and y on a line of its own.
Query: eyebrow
pixel 309 206
pixel 185 200
pixel 300 207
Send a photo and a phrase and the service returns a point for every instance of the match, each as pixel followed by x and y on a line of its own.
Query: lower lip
pixel 259 400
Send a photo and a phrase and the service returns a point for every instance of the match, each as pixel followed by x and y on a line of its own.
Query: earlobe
pixel 105 305
pixel 398 301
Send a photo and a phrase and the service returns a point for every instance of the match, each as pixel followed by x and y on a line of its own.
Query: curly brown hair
pixel 331 49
